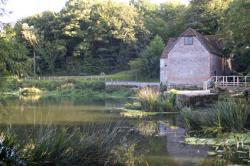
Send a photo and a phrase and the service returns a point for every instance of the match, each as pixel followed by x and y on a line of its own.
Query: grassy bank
pixel 70 87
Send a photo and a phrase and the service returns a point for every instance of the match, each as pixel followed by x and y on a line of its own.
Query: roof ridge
pixel 207 43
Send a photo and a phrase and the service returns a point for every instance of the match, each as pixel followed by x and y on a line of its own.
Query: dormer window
pixel 188 40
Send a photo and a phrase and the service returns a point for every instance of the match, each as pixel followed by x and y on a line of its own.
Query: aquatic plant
pixel 225 116
pixel 236 151
pixel 150 99
pixel 30 91
pixel 153 101
pixel 133 105
pixel 91 145
pixel 231 115
pixel 8 151
pixel 168 103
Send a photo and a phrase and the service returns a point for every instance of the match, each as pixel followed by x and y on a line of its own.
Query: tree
pixel 205 15
pixel 13 59
pixel 148 63
pixel 236 32
pixel 30 36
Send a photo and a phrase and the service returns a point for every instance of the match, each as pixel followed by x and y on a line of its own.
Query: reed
pixel 226 116
pixel 149 99
pixel 107 144
pixel 231 115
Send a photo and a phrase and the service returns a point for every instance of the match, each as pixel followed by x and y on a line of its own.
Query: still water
pixel 163 135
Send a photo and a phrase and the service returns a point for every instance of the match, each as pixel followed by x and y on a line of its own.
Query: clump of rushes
pixel 149 99
pixel 226 116
pixel 231 115
pixel 105 144
pixel 152 100
pixel 168 102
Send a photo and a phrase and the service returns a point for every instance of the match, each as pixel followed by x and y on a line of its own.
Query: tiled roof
pixel 212 43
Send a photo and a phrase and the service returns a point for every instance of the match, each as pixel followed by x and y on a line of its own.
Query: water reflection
pixel 160 138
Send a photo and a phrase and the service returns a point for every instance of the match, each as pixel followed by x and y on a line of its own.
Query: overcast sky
pixel 24 8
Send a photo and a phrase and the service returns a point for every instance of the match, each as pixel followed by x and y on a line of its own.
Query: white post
pixel 245 81
pixel 226 81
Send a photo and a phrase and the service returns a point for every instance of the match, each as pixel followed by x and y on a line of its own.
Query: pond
pixel 162 135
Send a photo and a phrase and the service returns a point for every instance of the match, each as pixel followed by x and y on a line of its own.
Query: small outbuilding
pixel 191 59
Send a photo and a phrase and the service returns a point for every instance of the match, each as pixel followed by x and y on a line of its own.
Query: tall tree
pixel 148 63
pixel 236 31
pixel 13 59
pixel 205 15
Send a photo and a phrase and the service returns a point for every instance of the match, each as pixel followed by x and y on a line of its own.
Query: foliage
pixel 91 37
pixel 92 145
pixel 229 115
pixel 168 103
pixel 149 99
pixel 152 101
pixel 133 106
pixel 205 15
pixel 148 63
pixel 87 37
pixel 13 59
pixel 236 31
pixel 30 91
pixel 8 152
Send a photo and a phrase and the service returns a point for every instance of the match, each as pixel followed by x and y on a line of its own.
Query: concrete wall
pixel 188 64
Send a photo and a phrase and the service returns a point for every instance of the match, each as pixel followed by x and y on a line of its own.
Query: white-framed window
pixel 188 40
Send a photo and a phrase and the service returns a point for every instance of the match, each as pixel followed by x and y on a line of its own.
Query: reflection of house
pixel 191 59
pixel 183 153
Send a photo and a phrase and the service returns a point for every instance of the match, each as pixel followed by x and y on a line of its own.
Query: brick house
pixel 191 59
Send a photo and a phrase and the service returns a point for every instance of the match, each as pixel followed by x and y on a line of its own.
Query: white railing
pixel 227 81
pixel 131 83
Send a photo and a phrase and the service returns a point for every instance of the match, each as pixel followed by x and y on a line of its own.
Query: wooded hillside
pixel 90 37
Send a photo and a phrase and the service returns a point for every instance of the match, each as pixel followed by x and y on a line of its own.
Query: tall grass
pixel 153 101
pixel 231 115
pixel 107 144
pixel 225 116
pixel 150 99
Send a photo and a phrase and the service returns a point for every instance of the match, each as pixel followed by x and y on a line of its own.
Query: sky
pixel 24 8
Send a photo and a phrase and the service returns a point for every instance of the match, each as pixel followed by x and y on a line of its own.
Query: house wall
pixel 216 65
pixel 188 65
pixel 163 71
